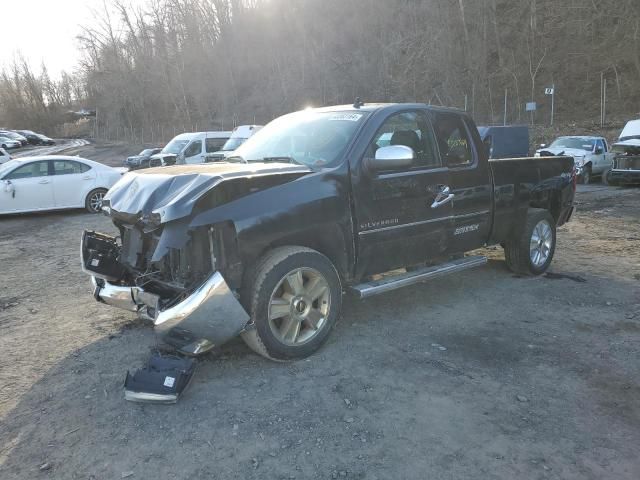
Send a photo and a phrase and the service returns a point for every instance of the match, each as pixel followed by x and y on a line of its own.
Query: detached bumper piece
pixel 163 380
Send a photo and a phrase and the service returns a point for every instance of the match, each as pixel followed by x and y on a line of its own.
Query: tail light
pixel 574 177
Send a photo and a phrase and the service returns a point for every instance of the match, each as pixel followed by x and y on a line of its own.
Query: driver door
pixel 402 215
pixel 193 152
pixel 27 188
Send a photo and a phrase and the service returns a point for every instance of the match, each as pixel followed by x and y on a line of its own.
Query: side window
pixel 214 144
pixel 600 145
pixel 194 149
pixel 31 170
pixel 453 140
pixel 411 129
pixel 68 167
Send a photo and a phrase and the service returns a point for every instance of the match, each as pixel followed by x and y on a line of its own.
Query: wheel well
pixel 329 242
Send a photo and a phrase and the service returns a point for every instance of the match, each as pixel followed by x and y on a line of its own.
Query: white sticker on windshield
pixel 349 117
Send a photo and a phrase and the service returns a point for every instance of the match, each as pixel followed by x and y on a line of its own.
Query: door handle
pixel 86 177
pixel 444 196
pixel 43 182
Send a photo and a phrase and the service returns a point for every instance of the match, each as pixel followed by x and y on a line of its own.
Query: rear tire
pixel 294 300
pixel 93 203
pixel 531 254
pixel 605 177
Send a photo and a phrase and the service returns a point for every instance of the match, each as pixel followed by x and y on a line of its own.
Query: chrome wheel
pixel 95 201
pixel 541 243
pixel 299 306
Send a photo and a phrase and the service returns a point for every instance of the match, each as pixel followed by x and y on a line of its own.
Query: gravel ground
pixel 483 375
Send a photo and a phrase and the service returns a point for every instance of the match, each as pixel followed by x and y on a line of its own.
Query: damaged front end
pixel 626 163
pixel 182 293
pixel 165 269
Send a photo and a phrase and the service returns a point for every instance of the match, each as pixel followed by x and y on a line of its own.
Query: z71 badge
pixel 466 229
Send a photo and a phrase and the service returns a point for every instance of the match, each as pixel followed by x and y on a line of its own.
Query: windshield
pixel 574 142
pixel 232 144
pixel 146 152
pixel 175 146
pixel 315 139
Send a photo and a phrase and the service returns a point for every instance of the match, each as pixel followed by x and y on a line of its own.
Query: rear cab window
pixel 453 139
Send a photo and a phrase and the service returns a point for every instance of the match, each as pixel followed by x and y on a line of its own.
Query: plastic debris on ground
pixel 163 380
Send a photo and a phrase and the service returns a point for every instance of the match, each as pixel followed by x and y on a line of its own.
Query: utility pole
pixel 553 96
pixel 602 98
pixel 504 121
pixel 604 101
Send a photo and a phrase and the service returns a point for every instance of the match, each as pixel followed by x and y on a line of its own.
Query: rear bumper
pixel 209 316
pixel 623 177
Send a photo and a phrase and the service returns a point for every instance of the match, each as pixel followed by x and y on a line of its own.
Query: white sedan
pixel 54 182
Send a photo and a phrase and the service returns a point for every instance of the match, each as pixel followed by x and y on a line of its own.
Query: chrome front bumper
pixel 210 316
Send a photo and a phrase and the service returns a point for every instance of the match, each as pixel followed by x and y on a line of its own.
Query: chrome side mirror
pixel 392 157
pixel 543 145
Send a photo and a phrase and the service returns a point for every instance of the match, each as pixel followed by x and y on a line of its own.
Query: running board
pixel 387 284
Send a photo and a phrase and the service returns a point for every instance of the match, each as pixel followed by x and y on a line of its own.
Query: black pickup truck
pixel 318 203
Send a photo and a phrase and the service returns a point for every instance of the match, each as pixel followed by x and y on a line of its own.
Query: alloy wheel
pixel 541 242
pixel 299 306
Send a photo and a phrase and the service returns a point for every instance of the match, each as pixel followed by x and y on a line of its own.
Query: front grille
pixel 627 163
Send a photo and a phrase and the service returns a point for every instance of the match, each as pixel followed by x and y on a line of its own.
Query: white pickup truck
pixel 592 155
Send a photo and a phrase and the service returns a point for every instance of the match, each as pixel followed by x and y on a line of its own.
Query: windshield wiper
pixel 235 158
pixel 280 159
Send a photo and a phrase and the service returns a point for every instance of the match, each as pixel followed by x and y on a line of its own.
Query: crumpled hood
pixel 173 191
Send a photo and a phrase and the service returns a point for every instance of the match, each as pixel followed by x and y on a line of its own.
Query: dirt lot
pixel 482 376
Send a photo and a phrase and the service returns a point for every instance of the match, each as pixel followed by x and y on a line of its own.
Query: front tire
pixel 93 202
pixel 585 178
pixel 531 254
pixel 294 300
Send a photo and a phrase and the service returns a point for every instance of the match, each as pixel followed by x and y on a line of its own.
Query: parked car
pixel 506 141
pixel 189 148
pixel 626 162
pixel 315 205
pixel 592 155
pixel 142 159
pixel 54 182
pixel 239 135
pixel 4 156
pixel 9 143
pixel 44 140
pixel 31 137
pixel 14 136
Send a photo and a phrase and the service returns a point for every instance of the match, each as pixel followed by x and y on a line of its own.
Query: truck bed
pixel 518 184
